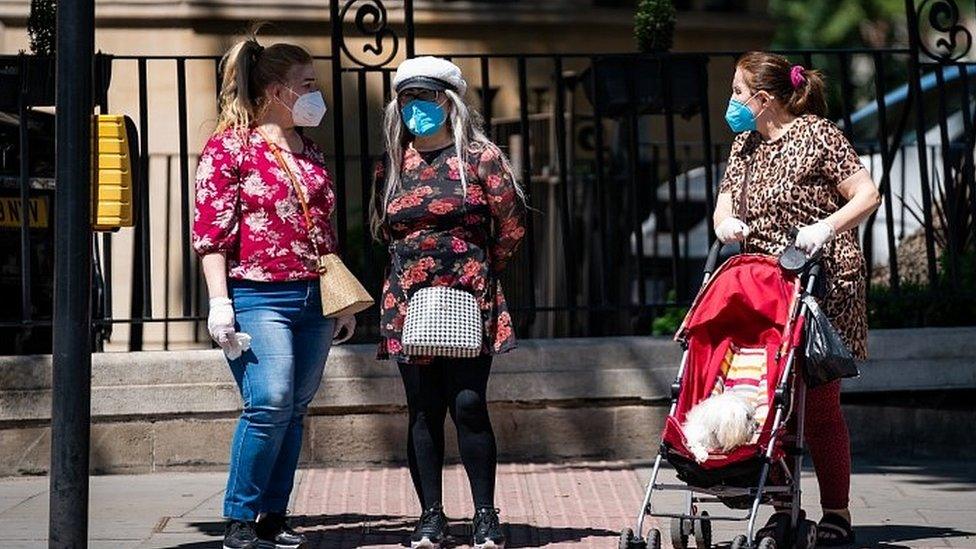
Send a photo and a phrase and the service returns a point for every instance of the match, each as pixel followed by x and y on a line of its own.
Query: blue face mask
pixel 423 118
pixel 740 117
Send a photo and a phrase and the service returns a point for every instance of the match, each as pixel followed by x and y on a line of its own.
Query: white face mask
pixel 309 109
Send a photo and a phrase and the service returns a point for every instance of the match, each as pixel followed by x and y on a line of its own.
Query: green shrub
pixel 668 322
pixel 654 23
pixel 920 305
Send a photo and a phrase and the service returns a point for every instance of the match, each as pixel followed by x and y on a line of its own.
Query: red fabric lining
pixel 747 303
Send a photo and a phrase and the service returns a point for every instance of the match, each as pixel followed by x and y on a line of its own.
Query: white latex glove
pixel 731 229
pixel 812 238
pixel 220 321
pixel 237 344
pixel 345 327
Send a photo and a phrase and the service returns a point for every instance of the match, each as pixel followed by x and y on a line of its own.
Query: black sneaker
pixel 240 535
pixel 430 529
pixel 487 529
pixel 274 527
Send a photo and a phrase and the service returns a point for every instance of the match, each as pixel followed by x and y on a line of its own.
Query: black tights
pixel 458 386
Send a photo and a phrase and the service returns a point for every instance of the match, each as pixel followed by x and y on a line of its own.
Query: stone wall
pixel 552 399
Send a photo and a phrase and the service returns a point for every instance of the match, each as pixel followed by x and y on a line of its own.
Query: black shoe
pixel 487 529
pixel 274 527
pixel 240 535
pixel 430 529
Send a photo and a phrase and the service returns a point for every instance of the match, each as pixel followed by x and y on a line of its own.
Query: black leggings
pixel 457 385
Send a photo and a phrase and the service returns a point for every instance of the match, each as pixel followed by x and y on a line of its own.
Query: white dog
pixel 721 422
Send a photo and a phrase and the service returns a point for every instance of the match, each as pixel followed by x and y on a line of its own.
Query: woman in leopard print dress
pixel 790 168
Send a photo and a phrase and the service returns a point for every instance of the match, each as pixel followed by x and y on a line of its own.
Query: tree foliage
pixel 838 23
pixel 42 26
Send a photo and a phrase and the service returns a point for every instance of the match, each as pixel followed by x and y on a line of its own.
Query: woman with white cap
pixel 449 207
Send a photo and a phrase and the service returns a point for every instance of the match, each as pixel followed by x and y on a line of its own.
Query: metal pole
pixel 71 381
pixel 915 90
pixel 411 30
pixel 338 127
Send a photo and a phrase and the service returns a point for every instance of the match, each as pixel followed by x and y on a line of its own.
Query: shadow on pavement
pixel 215 544
pixel 890 535
pixel 353 530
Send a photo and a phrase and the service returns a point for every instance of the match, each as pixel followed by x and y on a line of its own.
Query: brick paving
pixel 546 505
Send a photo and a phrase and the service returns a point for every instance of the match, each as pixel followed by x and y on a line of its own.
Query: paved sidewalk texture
pixel 915 504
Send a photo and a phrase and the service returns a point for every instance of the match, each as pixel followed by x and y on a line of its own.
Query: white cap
pixel 432 73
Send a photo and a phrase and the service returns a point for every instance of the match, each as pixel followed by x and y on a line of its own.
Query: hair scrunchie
pixel 254 50
pixel 796 76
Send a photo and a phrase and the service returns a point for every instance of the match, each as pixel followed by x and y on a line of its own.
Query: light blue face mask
pixel 740 117
pixel 423 118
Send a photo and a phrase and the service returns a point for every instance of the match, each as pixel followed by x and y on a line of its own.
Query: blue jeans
pixel 277 379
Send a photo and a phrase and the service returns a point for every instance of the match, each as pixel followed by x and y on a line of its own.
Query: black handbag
pixel 827 358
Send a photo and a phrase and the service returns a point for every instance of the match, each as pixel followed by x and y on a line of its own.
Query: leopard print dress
pixel 792 183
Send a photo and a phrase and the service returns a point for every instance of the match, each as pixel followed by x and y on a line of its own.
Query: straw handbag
pixel 342 293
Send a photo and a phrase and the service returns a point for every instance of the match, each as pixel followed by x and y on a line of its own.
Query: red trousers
pixel 829 444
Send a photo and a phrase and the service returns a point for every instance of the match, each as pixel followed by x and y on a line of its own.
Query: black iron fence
pixel 621 154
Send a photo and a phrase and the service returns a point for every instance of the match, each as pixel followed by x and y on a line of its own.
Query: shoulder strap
pixel 743 212
pixel 298 189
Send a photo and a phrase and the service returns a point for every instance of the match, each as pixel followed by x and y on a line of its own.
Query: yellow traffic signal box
pixel 114 156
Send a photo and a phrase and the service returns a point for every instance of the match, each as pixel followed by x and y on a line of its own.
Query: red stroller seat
pixel 745 310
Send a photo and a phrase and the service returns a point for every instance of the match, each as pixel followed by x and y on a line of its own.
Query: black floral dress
pixel 437 237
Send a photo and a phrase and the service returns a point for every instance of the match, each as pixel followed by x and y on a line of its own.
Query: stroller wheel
pixel 626 539
pixel 653 539
pixel 703 532
pixel 680 529
pixel 739 542
pixel 806 535
pixel 766 543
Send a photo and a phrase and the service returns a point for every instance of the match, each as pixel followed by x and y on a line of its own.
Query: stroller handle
pixel 813 267
pixel 713 254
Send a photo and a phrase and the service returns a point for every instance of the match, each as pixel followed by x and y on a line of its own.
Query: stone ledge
pixel 184 383
pixel 566 398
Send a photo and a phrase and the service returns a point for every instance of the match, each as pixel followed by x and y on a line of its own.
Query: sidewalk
pixel 916 504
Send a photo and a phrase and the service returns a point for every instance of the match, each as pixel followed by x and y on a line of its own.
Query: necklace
pixel 434 148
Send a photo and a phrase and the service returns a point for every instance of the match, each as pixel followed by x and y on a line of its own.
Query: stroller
pixel 748 317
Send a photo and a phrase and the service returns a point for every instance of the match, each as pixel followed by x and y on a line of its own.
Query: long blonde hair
pixel 247 70
pixel 465 125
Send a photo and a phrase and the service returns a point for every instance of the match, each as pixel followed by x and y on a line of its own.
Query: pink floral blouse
pixel 439 238
pixel 247 209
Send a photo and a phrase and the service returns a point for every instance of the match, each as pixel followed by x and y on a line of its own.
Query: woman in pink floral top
pixel 258 253
pixel 259 223
pixel 450 210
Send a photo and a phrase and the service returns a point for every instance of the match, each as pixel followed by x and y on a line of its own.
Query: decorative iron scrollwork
pixel 948 40
pixel 372 23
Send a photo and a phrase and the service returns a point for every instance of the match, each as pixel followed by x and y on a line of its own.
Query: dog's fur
pixel 720 422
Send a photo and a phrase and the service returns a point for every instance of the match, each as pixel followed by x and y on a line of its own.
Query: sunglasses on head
pixel 421 94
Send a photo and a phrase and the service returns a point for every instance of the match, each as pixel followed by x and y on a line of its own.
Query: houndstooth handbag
pixel 443 321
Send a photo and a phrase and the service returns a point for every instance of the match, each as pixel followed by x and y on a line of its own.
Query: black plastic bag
pixel 827 357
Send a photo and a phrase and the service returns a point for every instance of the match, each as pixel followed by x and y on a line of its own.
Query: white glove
pixel 731 229
pixel 220 321
pixel 237 344
pixel 812 238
